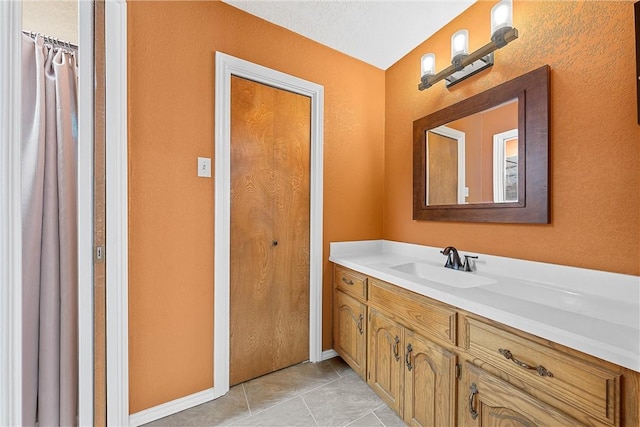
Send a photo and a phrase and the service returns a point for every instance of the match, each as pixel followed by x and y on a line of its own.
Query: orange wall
pixel 171 122
pixel 595 139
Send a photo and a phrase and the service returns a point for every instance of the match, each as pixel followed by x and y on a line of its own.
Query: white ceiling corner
pixel 378 32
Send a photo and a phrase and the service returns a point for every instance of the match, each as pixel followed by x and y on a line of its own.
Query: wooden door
pixel 385 353
pixel 269 271
pixel 350 331
pixel 489 401
pixel 442 174
pixel 429 382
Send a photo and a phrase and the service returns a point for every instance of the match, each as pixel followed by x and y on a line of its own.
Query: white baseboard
pixel 329 354
pixel 171 407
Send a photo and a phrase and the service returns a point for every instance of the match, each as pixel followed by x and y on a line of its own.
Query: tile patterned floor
pixel 321 394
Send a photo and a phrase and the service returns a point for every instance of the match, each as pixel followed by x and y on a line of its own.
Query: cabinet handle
pixel 396 341
pixel 348 282
pixel 472 410
pixel 359 325
pixel 541 370
pixel 407 357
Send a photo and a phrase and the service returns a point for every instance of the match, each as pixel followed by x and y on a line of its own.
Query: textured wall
pixel 171 122
pixel 595 140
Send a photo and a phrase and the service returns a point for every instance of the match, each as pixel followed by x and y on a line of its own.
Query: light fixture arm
pixel 506 36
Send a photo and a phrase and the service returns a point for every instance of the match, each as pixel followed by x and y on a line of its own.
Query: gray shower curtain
pixel 49 227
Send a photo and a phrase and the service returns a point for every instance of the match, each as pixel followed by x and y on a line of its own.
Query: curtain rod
pixel 52 40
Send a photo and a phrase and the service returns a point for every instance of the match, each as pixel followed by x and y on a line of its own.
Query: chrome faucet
pixel 453 259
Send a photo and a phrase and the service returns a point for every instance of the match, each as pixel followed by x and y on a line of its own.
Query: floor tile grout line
pixel 310 412
pixel 377 417
pixel 334 369
pixel 359 418
pixel 382 405
pixel 278 404
pixel 320 386
pixel 246 399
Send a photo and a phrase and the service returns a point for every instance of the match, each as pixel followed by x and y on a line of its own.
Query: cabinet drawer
pixel 420 313
pixel 350 282
pixel 585 386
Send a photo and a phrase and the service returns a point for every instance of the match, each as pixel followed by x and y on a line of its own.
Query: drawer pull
pixel 542 371
pixel 472 410
pixel 396 341
pixel 348 282
pixel 359 326
pixel 407 357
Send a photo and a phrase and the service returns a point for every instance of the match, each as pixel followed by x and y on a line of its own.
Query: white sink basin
pixel 445 276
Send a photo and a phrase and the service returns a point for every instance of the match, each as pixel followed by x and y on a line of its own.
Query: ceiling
pixel 378 32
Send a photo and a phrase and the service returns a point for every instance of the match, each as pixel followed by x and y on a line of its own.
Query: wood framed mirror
pixel 504 159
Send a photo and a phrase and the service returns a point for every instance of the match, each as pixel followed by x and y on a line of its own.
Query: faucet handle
pixel 467 263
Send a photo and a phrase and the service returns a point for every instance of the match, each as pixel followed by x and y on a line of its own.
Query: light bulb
pixel 459 43
pixel 428 63
pixel 501 15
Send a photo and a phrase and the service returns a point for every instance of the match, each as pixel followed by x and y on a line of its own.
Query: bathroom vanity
pixel 514 340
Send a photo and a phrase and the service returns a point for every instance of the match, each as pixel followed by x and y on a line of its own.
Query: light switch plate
pixel 204 167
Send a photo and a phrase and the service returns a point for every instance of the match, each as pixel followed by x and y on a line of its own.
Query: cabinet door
pixel 350 336
pixel 429 382
pixel 490 401
pixel 385 358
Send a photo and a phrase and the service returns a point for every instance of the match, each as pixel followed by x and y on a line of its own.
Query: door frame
pixel 226 66
pixel 10 216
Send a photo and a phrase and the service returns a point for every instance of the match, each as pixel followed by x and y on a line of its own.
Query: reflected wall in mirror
pixel 485 159
pixel 461 158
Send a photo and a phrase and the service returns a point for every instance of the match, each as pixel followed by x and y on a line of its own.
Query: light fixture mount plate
pixel 471 69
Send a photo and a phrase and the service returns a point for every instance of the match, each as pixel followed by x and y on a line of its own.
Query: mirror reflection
pixel 474 159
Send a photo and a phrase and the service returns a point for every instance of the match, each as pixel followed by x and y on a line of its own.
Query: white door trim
pixel 226 66
pixel 116 254
pixel 499 164
pixel 85 212
pixel 10 217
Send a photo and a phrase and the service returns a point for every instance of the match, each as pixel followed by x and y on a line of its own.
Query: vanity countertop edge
pixel 605 323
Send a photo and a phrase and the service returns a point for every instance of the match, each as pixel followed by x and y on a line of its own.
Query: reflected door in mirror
pixel 445 166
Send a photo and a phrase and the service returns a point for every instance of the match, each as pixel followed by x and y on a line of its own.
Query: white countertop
pixel 595 312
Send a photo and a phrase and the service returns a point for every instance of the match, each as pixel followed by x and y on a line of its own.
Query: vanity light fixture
pixel 465 64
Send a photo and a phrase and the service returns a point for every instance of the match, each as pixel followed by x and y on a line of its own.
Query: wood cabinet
pixel 429 382
pixel 384 358
pixel 350 336
pixel 490 401
pixel 573 384
pixel 414 376
pixel 437 365
pixel 350 318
